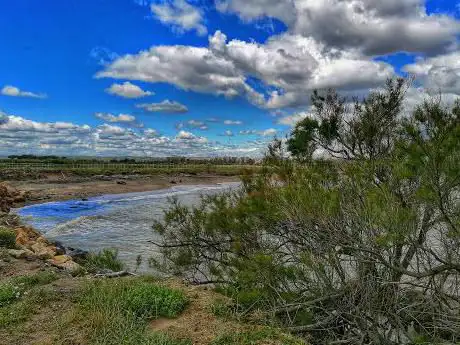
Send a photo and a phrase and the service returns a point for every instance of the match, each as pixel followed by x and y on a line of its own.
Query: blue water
pixel 120 221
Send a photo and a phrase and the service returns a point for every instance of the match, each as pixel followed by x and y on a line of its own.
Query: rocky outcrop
pixel 9 197
pixel 30 244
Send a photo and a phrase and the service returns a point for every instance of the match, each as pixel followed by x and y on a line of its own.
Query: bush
pixel 134 296
pixel 7 238
pixel 364 248
pixel 106 259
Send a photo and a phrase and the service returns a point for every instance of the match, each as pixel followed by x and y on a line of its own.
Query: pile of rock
pixel 10 196
pixel 32 245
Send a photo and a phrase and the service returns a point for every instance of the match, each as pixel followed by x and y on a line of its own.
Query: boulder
pixel 77 254
pixel 10 196
pixel 59 260
pixel 27 236
pixel 20 253
pixel 71 266
pixel 42 251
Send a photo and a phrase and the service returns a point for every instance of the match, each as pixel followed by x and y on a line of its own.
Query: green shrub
pixel 7 238
pixel 134 296
pixel 8 294
pixel 106 259
pixel 17 286
pixel 116 311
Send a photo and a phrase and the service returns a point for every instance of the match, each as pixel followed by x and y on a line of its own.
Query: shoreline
pixel 55 188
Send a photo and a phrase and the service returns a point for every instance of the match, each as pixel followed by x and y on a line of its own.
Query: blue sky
pixel 184 77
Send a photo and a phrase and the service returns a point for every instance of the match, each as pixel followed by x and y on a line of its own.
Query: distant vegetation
pixel 30 166
pixel 351 232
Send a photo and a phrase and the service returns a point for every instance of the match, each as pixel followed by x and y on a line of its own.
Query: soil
pixel 52 187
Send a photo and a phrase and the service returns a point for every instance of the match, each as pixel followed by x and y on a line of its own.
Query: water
pixel 122 221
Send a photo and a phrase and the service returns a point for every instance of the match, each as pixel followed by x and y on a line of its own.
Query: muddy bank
pixel 62 187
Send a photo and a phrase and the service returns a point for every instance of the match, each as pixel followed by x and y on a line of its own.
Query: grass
pixel 262 336
pixel 21 296
pixel 106 259
pixel 117 311
pixel 7 238
pixel 16 287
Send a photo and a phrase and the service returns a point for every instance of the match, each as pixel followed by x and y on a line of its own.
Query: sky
pixel 201 77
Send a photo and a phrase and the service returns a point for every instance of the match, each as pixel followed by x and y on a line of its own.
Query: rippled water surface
pixel 122 221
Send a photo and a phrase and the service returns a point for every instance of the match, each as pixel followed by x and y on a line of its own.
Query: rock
pixel 71 266
pixel 60 249
pixel 77 253
pixel 25 235
pixel 17 253
pixel 58 260
pixel 10 196
pixel 43 251
pixel 121 182
pixel 43 240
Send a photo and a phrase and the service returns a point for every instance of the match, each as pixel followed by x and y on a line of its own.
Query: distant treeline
pixel 167 160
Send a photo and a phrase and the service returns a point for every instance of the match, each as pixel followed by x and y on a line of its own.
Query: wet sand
pixel 56 188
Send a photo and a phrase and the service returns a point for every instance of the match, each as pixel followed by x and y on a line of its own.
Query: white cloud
pixel 181 15
pixel 248 132
pixel 228 133
pixel 233 122
pixel 189 68
pixel 374 27
pixel 438 74
pixel 128 90
pixel 288 67
pixel 190 137
pixel 293 119
pixel 268 132
pixel 166 106
pixel 121 118
pixel 13 91
pixel 193 124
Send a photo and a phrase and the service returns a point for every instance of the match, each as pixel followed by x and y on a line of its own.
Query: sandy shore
pixel 55 188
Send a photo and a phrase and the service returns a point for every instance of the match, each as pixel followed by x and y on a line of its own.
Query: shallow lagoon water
pixel 121 221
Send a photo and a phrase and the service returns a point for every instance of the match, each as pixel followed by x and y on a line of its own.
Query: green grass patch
pixel 19 309
pixel 117 311
pixel 107 259
pixel 16 287
pixel 258 337
pixel 7 238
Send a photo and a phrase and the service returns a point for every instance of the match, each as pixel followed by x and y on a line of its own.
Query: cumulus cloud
pixel 288 67
pixel 166 106
pixel 127 90
pixel 268 132
pixel 121 118
pixel 228 133
pixel 233 122
pixel 13 91
pixel 438 74
pixel 19 135
pixel 374 27
pixel 181 15
pixel 190 137
pixel 189 68
pixel 292 120
pixel 193 124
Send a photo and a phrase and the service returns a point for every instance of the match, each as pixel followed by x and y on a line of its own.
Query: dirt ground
pixel 60 187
